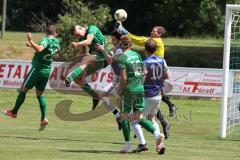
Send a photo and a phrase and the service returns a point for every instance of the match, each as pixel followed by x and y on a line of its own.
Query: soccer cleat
pixel 141 148
pixel 9 113
pixel 95 103
pixel 65 80
pixel 166 128
pixel 126 149
pixel 172 110
pixel 119 123
pixel 43 124
pixel 160 148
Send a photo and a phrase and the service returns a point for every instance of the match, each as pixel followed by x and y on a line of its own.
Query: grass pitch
pixel 13 45
pixel 194 133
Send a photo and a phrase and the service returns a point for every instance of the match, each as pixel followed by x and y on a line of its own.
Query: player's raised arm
pixel 86 42
pixel 31 43
pixel 138 40
pixel 101 48
pixel 123 80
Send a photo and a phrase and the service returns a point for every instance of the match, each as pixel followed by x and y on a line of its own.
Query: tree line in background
pixel 179 17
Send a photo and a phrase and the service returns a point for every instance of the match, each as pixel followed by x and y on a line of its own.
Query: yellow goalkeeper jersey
pixel 141 40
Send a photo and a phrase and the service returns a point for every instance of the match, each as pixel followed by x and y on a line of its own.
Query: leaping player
pixel 38 75
pixel 90 36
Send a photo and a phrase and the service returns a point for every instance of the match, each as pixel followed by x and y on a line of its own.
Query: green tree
pixel 79 13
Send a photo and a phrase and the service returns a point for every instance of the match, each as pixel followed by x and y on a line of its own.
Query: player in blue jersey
pixel 157 72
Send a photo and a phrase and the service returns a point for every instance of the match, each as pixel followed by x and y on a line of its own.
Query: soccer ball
pixel 120 15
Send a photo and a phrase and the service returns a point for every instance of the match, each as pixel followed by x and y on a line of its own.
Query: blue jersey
pixel 156 69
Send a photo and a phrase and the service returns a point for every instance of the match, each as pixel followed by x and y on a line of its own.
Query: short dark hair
pixel 72 30
pixel 150 46
pixel 51 29
pixel 114 33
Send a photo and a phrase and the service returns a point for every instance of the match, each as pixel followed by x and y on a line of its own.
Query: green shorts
pixel 132 102
pixel 99 64
pixel 37 78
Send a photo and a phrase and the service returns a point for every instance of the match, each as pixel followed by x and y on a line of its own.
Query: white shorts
pixel 152 105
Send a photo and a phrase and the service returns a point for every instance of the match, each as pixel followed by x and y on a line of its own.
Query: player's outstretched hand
pixel 29 44
pixel 122 30
pixel 117 24
pixel 74 45
pixel 99 48
pixel 29 36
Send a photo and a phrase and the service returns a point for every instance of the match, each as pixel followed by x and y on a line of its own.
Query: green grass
pixel 194 137
pixel 18 38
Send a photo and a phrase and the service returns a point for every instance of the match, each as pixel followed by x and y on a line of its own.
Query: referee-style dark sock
pixel 116 113
pixel 161 118
pixel 167 101
pixel 87 88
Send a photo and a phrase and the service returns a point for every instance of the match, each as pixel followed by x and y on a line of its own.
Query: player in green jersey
pixel 89 35
pixel 131 91
pixel 38 75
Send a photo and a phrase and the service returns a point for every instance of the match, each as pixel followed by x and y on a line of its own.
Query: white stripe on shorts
pixel 29 77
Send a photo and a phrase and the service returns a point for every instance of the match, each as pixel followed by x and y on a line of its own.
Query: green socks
pixel 19 101
pixel 147 125
pixel 76 72
pixel 43 106
pixel 90 91
pixel 126 130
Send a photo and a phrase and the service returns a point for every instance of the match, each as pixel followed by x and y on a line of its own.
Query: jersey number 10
pixel 156 71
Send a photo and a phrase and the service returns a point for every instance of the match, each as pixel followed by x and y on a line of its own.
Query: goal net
pixel 230 112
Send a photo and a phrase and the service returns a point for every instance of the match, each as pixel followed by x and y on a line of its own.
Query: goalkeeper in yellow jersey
pixel 156 34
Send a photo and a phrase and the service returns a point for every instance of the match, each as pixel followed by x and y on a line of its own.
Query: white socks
pixel 110 106
pixel 137 130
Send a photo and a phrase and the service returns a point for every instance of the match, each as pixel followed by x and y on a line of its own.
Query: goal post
pixel 229 103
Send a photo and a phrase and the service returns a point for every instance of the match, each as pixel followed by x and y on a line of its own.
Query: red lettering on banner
pixel 110 77
pixel 10 69
pixel 94 77
pixel 68 68
pixel 198 90
pixel 26 71
pixel 54 74
pixel 186 89
pixel 102 75
pixel 62 70
pixel 17 72
pixel 2 66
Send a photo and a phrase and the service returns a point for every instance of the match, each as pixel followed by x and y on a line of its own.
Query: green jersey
pixel 44 59
pixel 98 38
pixel 132 62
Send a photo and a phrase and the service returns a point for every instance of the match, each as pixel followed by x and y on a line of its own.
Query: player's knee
pixel 39 93
pixel 24 89
pixel 150 117
pixel 79 81
pixel 85 60
pixel 133 122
